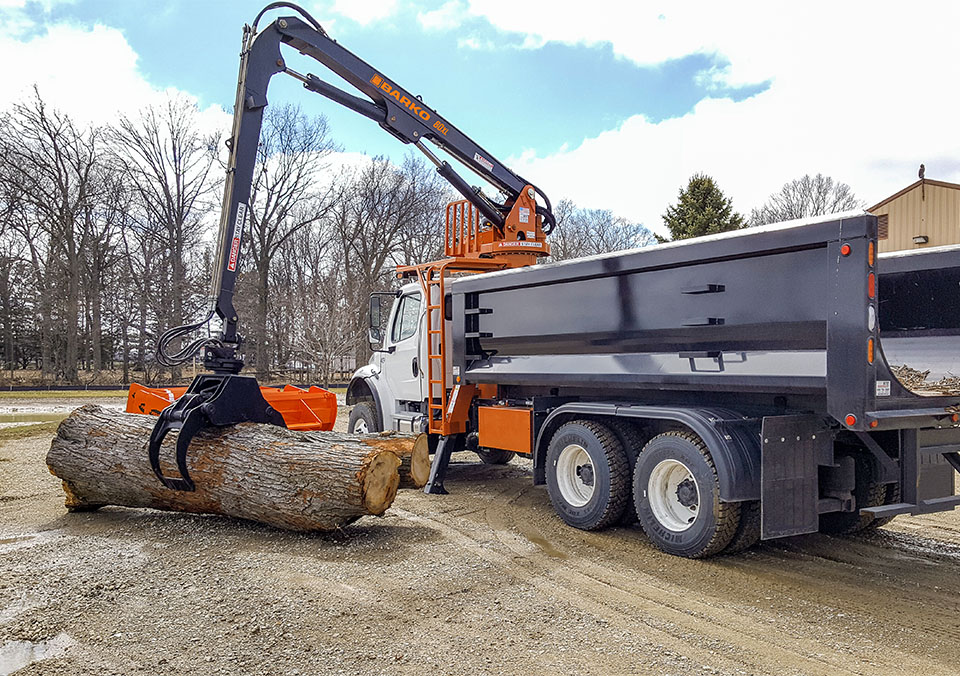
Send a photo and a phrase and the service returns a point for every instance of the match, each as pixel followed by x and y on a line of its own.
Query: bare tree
pixel 51 166
pixel 286 196
pixel 805 197
pixel 422 235
pixel 584 232
pixel 168 162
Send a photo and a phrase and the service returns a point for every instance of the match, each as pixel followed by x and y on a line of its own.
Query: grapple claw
pixel 211 400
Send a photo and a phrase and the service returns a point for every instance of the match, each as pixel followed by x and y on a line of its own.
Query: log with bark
pixel 307 481
pixel 414 456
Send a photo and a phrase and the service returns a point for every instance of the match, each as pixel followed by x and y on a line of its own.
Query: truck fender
pixel 362 388
pixel 732 439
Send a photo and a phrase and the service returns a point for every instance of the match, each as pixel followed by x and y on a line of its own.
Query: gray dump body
pixel 742 318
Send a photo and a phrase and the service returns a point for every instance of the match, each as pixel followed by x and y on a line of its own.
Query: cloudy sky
pixel 613 104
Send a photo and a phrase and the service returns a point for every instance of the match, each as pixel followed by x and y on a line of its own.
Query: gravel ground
pixel 484 580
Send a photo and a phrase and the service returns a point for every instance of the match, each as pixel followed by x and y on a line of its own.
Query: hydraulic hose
pixel 187 353
pixel 296 8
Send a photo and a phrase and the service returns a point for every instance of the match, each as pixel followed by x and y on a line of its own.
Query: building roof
pixel 916 184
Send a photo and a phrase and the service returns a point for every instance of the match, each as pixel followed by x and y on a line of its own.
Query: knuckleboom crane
pixel 481 233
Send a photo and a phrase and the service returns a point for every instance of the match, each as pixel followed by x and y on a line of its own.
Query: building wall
pixel 928 209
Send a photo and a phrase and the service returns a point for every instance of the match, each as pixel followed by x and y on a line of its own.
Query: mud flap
pixel 792 448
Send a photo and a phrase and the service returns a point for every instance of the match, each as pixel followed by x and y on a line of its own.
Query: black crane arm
pixel 400 113
pixel 396 110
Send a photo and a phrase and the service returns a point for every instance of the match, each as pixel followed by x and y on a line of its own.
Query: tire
pixel 866 493
pixel 363 419
pixel 748 530
pixel 494 456
pixel 893 495
pixel 677 493
pixel 588 477
pixel 632 441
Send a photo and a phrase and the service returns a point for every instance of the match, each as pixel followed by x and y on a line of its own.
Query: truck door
pixel 401 361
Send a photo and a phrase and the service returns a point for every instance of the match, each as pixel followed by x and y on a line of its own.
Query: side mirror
pixel 375 316
pixel 373 335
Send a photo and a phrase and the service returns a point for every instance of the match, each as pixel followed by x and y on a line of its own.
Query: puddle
pixel 20 419
pixel 7 541
pixel 10 542
pixel 15 655
pixel 30 417
pixel 547 548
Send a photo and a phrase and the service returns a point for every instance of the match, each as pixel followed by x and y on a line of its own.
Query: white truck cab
pixel 388 393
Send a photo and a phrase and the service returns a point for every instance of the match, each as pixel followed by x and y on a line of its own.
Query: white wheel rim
pixel 573 487
pixel 360 427
pixel 669 495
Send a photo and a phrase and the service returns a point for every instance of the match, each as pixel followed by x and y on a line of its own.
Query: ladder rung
pixel 435 356
pixel 434 331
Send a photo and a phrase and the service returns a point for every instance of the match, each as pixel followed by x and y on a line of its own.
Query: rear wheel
pixel 866 493
pixel 677 493
pixel 748 530
pixel 495 456
pixel 588 475
pixel 363 419
pixel 632 440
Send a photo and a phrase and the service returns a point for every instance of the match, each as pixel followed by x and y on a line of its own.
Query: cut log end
pixel 420 461
pixel 380 482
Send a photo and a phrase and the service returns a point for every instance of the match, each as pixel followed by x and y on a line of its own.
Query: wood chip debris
pixel 916 381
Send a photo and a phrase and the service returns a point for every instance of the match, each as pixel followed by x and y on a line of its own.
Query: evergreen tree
pixel 701 209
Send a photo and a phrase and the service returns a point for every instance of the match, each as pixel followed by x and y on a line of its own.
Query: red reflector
pixel 955 417
pixel 874 423
pixel 845 250
pixel 871 285
pixel 851 420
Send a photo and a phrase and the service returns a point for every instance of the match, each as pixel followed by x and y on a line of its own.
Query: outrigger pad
pixel 211 400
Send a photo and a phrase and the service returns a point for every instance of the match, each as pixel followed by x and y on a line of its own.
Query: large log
pixel 307 481
pixel 414 457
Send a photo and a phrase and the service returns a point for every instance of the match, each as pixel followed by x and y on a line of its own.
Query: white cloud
pixel 365 12
pixel 46 4
pixel 447 16
pixel 861 91
pixel 89 73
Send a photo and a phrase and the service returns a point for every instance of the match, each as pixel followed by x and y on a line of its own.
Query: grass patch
pixel 27 431
pixel 63 394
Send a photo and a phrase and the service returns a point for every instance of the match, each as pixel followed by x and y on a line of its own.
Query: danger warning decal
pixel 484 162
pixel 237 235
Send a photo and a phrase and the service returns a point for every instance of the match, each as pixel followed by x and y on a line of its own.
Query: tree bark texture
pixel 305 481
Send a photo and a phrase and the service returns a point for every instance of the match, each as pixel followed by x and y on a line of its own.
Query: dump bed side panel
pixel 745 313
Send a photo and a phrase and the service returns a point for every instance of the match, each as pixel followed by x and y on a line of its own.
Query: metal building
pixel 924 214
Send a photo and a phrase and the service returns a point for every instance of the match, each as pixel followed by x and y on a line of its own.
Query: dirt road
pixel 485 580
